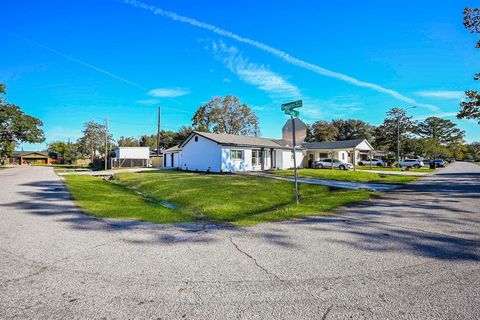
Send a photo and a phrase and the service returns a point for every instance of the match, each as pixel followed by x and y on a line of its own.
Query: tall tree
pixel 440 133
pixel 397 125
pixel 93 139
pixel 128 142
pixel 474 150
pixel 353 129
pixel 470 109
pixel 226 115
pixel 69 151
pixel 16 126
pixel 321 131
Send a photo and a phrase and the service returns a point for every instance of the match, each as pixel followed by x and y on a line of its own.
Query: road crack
pixel 254 260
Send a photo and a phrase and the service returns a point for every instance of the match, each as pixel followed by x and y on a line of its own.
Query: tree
pixel 321 131
pixel 93 139
pixel 69 151
pixel 439 134
pixel 353 129
pixel 470 109
pixel 167 138
pixel 473 150
pixel 16 127
pixel 128 142
pixel 397 125
pixel 226 115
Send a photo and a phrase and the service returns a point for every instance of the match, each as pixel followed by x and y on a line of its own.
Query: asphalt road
pixel 411 254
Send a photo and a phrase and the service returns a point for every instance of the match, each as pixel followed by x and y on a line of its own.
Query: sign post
pixel 289 108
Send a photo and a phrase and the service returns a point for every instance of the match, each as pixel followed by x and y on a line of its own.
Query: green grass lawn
pixel 239 200
pixel 348 175
pixel 424 169
pixel 68 167
pixel 105 199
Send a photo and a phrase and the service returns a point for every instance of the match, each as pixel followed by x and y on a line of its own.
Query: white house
pixel 351 151
pixel 131 156
pixel 220 152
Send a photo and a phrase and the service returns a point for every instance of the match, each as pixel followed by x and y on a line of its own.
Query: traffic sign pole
pixel 289 108
pixel 294 161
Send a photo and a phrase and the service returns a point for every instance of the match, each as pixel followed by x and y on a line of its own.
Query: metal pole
pixel 398 141
pixel 158 133
pixel 106 143
pixel 370 159
pixel 294 159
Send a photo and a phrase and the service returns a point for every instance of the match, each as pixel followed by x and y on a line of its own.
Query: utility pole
pixel 158 133
pixel 398 141
pixel 106 143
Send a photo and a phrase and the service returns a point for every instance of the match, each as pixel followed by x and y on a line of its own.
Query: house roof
pixel 24 153
pixel 342 144
pixel 237 140
pixel 172 149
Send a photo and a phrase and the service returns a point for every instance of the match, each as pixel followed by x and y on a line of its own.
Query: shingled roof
pixel 237 140
pixel 331 145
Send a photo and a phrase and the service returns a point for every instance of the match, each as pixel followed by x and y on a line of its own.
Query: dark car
pixel 440 163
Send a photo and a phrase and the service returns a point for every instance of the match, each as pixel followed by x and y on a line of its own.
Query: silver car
pixel 337 164
pixel 416 163
pixel 375 162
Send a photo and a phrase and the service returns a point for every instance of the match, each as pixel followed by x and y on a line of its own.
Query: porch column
pixel 354 161
pixel 262 159
pixel 331 158
pixel 271 158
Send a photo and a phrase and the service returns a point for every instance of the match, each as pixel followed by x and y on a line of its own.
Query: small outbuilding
pixel 131 157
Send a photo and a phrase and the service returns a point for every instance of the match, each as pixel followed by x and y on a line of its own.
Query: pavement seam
pixel 253 259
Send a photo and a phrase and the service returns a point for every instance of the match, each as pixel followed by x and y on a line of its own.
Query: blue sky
pixel 68 62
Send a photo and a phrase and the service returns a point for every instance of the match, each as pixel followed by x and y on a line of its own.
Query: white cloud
pixel 442 94
pixel 148 101
pixel 168 92
pixel 439 115
pixel 278 53
pixel 255 74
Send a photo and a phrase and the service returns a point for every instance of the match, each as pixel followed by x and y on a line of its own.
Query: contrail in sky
pixel 86 64
pixel 279 53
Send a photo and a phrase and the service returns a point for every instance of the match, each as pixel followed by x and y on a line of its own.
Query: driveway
pixel 410 254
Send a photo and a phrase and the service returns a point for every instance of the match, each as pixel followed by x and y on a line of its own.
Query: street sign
pixel 300 131
pixel 292 105
pixel 294 133
pixel 293 113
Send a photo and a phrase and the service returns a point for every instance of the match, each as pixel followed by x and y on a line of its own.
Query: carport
pixel 345 150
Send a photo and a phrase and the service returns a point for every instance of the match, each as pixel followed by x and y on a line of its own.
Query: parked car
pixel 375 162
pixel 438 162
pixel 337 164
pixel 415 163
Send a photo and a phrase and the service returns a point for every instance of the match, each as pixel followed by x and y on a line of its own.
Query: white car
pixel 327 163
pixel 416 163
pixel 375 162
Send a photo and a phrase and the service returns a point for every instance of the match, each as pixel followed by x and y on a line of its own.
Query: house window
pixel 255 157
pixel 236 154
pixel 343 155
pixel 196 138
